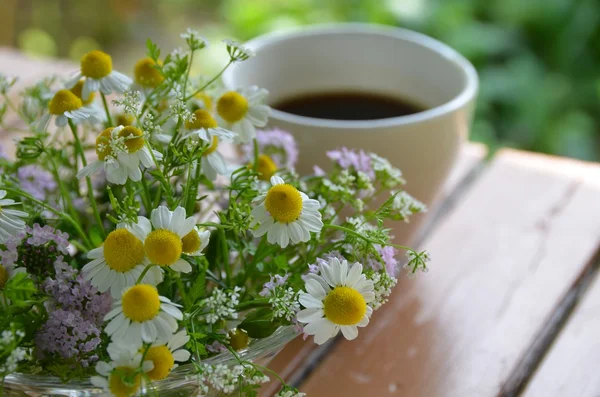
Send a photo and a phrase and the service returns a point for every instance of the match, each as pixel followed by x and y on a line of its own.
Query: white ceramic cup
pixel 372 59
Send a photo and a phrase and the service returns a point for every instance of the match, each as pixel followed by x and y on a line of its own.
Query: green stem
pixel 225 255
pixel 108 118
pixel 141 277
pixel 199 90
pixel 67 202
pixel 180 286
pixel 88 180
pixel 186 190
pixel 187 74
pixel 61 214
pixel 253 303
pixel 162 175
pixel 146 195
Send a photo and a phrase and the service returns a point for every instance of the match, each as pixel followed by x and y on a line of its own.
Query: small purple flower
pixel 388 255
pixel 36 181
pixel 270 285
pixel 70 335
pixel 318 171
pixel 356 159
pixel 216 347
pixel 278 144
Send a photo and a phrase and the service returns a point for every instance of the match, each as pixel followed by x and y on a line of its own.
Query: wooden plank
pixel 297 357
pixel 502 260
pixel 571 365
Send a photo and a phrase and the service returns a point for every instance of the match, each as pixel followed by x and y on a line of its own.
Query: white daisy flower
pixel 63 106
pixel 241 111
pixel 205 127
pixel 10 222
pixel 237 51
pixel 7 272
pixel 337 299
pixel 120 261
pixel 162 354
pixel 120 151
pixel 285 214
pixel 195 241
pixel 96 68
pixel 141 315
pixel 98 114
pixel 120 377
pixel 164 245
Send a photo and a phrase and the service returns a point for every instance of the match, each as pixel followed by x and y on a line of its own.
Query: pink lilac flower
pixel 356 159
pixel 270 285
pixel 388 255
pixel 36 181
pixel 216 347
pixel 70 335
pixel 278 144
pixel 73 293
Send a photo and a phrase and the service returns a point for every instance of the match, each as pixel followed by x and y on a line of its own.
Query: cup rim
pixel 466 94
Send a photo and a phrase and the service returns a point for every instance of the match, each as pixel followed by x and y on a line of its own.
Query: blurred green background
pixel 539 60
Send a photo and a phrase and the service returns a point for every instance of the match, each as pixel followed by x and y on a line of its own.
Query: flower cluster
pixel 132 242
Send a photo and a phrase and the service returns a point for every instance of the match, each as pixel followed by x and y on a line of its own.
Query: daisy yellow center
pixel 3 276
pixel 146 74
pixel 103 148
pixel 344 306
pixel 64 101
pixel 266 167
pixel 191 242
pixel 206 100
pixel 122 382
pixel 141 303
pixel 163 361
pixel 284 203
pixel 163 247
pixel 203 119
pixel 123 251
pixel 133 138
pixel 125 119
pixel 96 64
pixel 78 89
pixel 232 106
pixel 213 146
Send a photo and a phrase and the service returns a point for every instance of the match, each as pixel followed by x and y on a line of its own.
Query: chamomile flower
pixel 98 114
pixel 162 354
pixel 7 271
pixel 120 377
pixel 195 241
pixel 205 127
pixel 97 70
pixel 242 111
pixel 119 262
pixel 10 220
pixel 164 245
pixel 266 167
pixel 336 300
pixel 142 315
pixel 285 214
pixel 63 106
pixel 147 74
pixel 120 151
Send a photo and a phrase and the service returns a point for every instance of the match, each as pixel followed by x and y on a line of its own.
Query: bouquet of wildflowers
pixel 147 224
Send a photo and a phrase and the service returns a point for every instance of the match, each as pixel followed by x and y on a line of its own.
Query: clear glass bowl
pixel 181 383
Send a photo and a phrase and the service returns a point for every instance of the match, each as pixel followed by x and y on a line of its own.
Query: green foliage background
pixel 539 60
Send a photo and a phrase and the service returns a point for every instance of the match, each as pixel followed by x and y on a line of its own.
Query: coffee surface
pixel 348 106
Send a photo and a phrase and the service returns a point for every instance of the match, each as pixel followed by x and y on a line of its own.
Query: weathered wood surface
pixel 571 365
pixel 502 260
pixel 298 357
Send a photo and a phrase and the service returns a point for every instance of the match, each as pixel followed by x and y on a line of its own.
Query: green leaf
pixel 153 50
pixel 197 290
pixel 259 323
pixel 20 290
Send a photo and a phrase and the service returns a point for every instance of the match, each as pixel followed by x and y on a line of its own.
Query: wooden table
pixel 510 307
